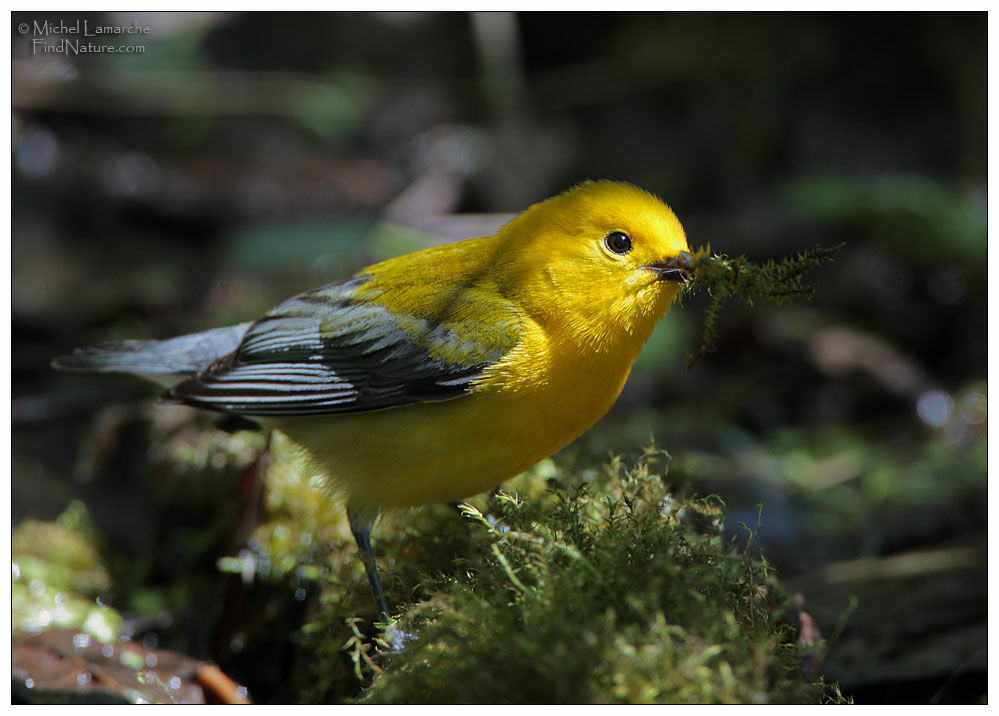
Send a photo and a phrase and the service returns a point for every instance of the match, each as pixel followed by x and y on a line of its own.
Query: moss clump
pixel 304 531
pixel 56 574
pixel 610 591
pixel 774 281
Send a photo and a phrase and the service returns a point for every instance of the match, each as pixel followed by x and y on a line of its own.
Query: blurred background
pixel 239 158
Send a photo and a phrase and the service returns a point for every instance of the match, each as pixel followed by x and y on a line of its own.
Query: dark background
pixel 245 157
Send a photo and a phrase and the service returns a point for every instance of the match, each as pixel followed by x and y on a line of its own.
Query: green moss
pixel 605 591
pixel 304 533
pixel 61 554
pixel 773 281
pixel 56 575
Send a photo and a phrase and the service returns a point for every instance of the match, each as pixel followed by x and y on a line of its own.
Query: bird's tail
pixel 165 362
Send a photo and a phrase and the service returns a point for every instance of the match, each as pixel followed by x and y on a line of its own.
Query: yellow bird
pixel 437 375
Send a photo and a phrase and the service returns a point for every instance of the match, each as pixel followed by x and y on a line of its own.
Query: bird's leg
pixel 361 522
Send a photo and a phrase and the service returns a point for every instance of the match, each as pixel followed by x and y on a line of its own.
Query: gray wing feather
pixel 325 352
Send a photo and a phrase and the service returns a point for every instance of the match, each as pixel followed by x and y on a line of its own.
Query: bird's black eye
pixel 618 242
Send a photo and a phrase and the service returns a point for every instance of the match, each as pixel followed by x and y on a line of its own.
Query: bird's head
pixel 602 258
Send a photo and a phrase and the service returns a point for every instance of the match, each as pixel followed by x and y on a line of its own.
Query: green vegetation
pixel 56 573
pixel 608 590
pixel 773 281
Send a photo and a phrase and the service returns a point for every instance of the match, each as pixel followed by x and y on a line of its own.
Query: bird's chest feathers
pixel 561 380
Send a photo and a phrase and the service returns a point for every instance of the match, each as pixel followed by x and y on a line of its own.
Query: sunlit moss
pixel 57 575
pixel 608 590
pixel 304 529
pixel 61 553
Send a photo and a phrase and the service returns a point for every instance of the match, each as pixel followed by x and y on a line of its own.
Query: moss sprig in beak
pixel 721 277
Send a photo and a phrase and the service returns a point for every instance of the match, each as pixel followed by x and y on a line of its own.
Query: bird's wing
pixel 333 351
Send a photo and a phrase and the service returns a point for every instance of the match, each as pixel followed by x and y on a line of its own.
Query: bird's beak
pixel 679 269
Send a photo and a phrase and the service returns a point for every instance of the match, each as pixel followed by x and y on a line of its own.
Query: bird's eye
pixel 618 242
